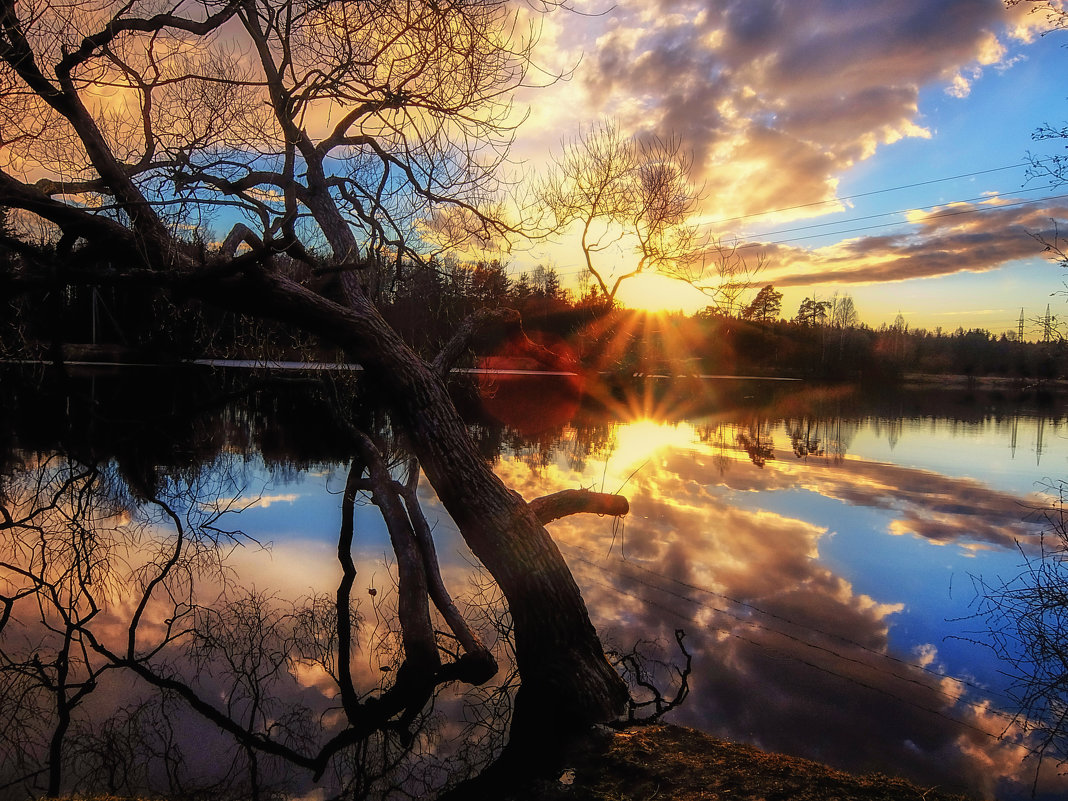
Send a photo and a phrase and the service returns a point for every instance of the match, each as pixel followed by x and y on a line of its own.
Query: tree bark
pixel 569 502
pixel 566 680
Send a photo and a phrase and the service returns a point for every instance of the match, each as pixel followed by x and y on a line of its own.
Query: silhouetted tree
pixel 843 311
pixel 221 107
pixel 812 312
pixel 765 307
pixel 629 196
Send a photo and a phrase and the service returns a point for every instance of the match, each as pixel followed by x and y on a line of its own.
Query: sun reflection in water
pixel 642 439
pixel 650 375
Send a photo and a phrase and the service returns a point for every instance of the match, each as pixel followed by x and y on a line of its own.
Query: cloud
pixel 965 237
pixel 776 99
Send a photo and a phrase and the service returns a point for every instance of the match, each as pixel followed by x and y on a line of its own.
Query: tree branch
pixel 420 649
pixel 477 665
pixel 504 322
pixel 153 24
pixel 570 502
pixel 350 701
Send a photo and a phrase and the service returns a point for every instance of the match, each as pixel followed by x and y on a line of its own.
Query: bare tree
pixel 649 673
pixel 843 311
pixel 332 129
pixel 592 186
pixel 629 196
pixel 54 569
pixel 88 577
pixel 1025 618
pixel 1056 15
pixel 722 272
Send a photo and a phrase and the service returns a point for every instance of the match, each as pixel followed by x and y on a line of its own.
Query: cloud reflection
pixel 941 508
pixel 787 653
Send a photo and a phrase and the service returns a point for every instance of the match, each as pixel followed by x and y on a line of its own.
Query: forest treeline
pixel 426 303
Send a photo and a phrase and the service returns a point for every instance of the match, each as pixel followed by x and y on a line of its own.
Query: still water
pixel 820 549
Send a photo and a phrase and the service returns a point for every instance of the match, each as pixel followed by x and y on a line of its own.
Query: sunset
pixel 884 150
pixel 477 399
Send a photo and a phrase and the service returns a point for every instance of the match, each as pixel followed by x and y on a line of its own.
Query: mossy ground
pixel 672 763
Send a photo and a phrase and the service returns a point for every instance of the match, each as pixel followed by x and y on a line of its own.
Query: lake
pixel 820 547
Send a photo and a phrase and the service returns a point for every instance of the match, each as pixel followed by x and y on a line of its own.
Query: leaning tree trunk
pixel 566 681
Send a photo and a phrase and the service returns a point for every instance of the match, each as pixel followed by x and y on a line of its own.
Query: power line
pixel 740 245
pixel 803 627
pixel 869 194
pixel 887 225
pixel 823 669
pixel 905 211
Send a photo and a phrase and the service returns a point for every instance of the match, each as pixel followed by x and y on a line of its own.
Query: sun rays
pixel 646 363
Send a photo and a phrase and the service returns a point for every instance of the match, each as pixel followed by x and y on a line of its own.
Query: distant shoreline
pixel 942 380
pixel 253 364
pixel 961 381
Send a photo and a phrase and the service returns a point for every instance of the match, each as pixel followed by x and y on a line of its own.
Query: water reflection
pixel 815 549
pixel 816 584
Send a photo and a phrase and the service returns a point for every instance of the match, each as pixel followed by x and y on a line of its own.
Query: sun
pixel 655 293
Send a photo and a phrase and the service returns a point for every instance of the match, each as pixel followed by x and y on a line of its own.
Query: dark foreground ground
pixel 671 763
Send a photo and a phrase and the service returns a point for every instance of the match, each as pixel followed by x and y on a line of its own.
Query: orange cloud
pixel 775 100
pixel 969 237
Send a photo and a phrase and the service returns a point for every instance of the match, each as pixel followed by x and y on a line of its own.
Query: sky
pixel 861 147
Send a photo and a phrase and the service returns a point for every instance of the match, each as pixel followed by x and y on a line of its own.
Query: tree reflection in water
pixel 137 606
pixel 127 634
pixel 1024 621
pixel 817 585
